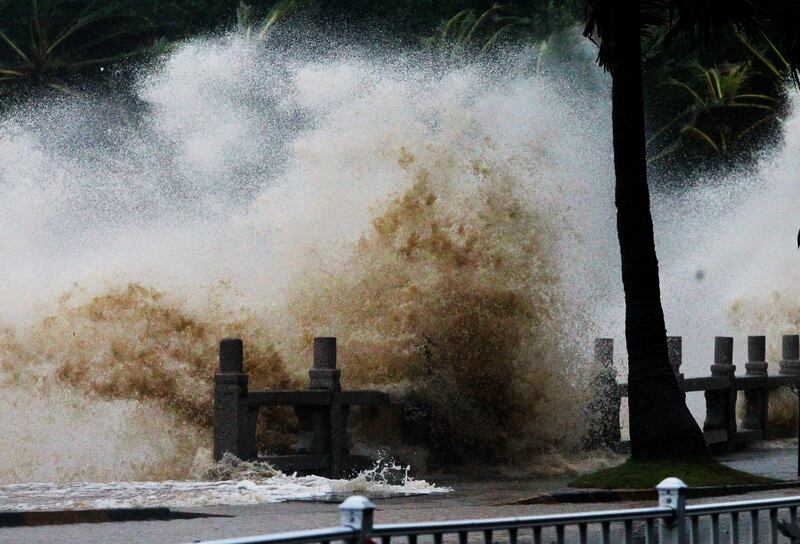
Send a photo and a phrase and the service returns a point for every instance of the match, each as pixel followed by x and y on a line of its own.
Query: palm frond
pixel 753 126
pixel 494 38
pixel 455 21
pixel 54 49
pixel 15 47
pixel 758 96
pixel 81 22
pixel 261 30
pixel 703 137
pixel 688 89
pixel 701 20
pixel 720 101
pixel 465 32
pixel 483 18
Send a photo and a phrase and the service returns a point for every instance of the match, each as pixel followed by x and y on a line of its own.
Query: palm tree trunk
pixel 660 422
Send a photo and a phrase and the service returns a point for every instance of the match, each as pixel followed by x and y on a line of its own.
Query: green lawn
pixel 647 474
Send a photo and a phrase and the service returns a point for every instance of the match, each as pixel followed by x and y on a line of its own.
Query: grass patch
pixel 633 474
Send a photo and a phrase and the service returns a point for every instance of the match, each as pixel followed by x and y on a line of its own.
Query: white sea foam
pixel 175 494
pixel 246 179
pixel 250 176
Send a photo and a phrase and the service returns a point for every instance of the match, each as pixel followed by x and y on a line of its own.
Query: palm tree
pixel 467 32
pixel 263 29
pixel 721 116
pixel 660 423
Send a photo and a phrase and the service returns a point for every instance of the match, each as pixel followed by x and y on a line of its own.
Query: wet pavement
pixel 776 459
pixel 470 498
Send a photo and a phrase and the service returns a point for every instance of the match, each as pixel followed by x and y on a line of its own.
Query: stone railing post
pixel 322 428
pixel 358 513
pixel 604 409
pixel 325 375
pixel 675 354
pixel 234 431
pixel 790 363
pixel 756 400
pixel 721 403
pixel 672 494
pixel 790 355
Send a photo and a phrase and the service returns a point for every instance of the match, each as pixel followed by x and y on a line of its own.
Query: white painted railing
pixel 676 522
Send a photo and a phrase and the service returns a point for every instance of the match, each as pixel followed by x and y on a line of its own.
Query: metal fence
pixel 671 522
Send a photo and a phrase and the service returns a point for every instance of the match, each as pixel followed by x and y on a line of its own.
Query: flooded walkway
pixel 774 459
pixel 470 498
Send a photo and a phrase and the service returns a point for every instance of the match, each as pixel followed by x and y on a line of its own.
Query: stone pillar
pixel 755 400
pixel 675 353
pixel 721 403
pixel 604 409
pixel 324 374
pixel 790 357
pixel 234 426
pixel 322 428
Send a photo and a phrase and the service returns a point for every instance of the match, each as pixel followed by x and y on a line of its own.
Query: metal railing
pixel 675 521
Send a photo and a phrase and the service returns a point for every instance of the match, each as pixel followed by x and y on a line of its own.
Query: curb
pixel 111 515
pixel 637 495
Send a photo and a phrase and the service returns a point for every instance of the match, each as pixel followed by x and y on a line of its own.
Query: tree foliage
pixel 53 42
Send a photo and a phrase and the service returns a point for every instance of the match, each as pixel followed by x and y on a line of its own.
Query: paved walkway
pixel 777 459
pixel 471 498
